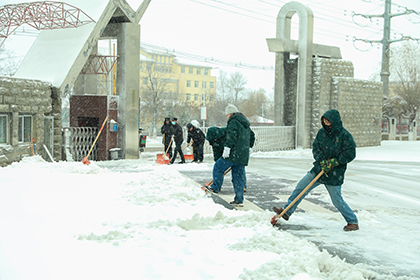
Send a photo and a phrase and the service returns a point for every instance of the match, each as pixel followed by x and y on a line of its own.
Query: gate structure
pixel 318 80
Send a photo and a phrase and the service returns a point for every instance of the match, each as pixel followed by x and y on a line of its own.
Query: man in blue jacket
pixel 332 149
pixel 239 140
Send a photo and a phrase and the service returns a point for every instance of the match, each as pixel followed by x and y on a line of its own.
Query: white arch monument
pixel 304 47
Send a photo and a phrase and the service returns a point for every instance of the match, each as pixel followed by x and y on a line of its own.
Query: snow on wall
pixel 358 101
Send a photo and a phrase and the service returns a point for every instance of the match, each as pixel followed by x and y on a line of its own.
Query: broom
pixel 85 159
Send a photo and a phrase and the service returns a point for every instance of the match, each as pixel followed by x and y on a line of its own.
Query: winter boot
pixel 351 227
pixel 278 212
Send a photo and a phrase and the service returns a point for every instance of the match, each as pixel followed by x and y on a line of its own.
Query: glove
pixel 328 165
pixel 250 151
pixel 226 152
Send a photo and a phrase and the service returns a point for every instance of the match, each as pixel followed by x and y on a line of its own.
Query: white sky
pixel 236 31
pixel 135 219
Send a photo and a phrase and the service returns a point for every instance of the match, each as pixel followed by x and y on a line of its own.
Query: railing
pixel 267 138
pixel 79 140
pixel 392 129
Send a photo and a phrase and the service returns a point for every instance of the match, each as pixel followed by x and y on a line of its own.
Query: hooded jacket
pixel 166 129
pixel 333 142
pixel 216 137
pixel 196 135
pixel 239 138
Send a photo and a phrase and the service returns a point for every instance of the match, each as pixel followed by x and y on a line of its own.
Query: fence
pixel 267 138
pixel 77 142
pixel 392 129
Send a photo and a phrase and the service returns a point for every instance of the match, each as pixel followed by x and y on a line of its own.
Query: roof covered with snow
pixel 58 55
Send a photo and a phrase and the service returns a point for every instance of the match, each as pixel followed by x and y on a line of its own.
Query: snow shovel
pixel 276 217
pixel 189 156
pixel 164 159
pixel 85 159
pixel 162 156
pixel 208 184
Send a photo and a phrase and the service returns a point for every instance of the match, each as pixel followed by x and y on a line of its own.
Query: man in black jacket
pixel 178 138
pixel 198 138
pixel 167 133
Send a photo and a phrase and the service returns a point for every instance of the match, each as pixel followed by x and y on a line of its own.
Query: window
pixel 198 71
pixel 211 84
pixel 188 83
pixel 188 97
pixel 25 129
pixel 196 97
pixel 3 129
pixel 211 97
pixel 204 84
pixel 196 84
pixel 206 71
pixel 182 69
pixel 191 70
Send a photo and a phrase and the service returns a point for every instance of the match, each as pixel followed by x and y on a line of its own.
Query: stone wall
pixel 358 101
pixel 34 98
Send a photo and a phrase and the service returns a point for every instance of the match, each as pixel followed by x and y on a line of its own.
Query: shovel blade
pixel 86 161
pixel 274 220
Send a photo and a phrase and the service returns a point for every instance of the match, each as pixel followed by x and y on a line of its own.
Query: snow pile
pixel 131 219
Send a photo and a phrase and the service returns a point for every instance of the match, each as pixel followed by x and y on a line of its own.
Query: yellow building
pixel 190 80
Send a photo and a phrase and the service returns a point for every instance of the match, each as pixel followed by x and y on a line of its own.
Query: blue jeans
pixel 335 194
pixel 238 177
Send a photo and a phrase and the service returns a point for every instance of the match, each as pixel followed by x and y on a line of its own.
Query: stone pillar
pixel 392 129
pixel 304 48
pixel 413 136
pixel 128 86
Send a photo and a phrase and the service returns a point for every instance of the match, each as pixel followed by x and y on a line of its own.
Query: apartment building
pixel 189 80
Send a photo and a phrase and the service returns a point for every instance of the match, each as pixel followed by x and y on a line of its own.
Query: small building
pixel 260 121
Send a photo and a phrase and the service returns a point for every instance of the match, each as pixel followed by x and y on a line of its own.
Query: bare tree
pixel 237 83
pixel 229 87
pixel 157 96
pixel 254 104
pixel 405 77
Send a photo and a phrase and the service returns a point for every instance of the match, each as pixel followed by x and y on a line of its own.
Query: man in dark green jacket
pixel 332 149
pixel 239 141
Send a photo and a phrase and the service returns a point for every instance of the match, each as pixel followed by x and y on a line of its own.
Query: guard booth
pixel 87 113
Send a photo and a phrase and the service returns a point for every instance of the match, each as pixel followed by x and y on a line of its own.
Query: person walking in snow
pixel 216 137
pixel 197 137
pixel 167 133
pixel 332 149
pixel 239 141
pixel 178 139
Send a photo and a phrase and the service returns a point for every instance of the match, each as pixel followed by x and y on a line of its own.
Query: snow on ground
pixel 139 220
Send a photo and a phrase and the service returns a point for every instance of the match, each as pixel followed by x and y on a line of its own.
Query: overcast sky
pixel 235 31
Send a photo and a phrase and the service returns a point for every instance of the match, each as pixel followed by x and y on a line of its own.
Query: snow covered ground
pixel 134 219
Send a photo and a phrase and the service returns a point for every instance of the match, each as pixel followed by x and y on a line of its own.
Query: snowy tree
pixel 405 79
pixel 8 63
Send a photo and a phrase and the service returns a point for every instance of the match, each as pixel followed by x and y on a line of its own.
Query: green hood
pixel 214 133
pixel 334 117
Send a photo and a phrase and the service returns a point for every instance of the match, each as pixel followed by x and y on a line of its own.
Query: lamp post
pixel 204 109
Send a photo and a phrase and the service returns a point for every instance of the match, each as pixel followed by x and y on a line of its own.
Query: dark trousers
pixel 178 149
pixel 198 151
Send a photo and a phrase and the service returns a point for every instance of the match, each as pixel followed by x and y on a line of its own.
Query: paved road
pixel 378 188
